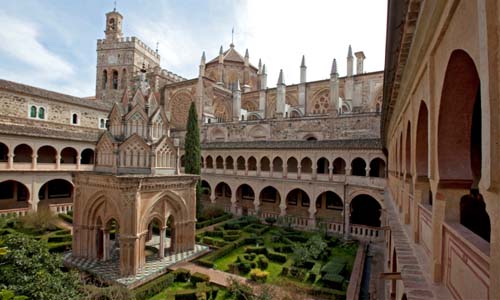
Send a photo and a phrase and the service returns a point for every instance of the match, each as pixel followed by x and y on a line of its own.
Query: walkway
pixel 216 276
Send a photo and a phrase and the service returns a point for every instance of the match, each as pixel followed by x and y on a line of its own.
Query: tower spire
pixel 114 7
pixel 232 38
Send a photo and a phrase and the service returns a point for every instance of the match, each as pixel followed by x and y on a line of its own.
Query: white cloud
pixel 20 40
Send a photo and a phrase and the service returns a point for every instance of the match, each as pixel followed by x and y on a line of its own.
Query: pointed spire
pixel 260 66
pixel 303 63
pixel 264 69
pixel 246 53
pixel 203 58
pixel 221 51
pixel 281 80
pixel 334 67
pixel 349 52
pixel 238 87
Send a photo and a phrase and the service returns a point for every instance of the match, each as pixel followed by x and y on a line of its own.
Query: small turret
pixel 303 70
pixel 281 79
pixel 113 25
pixel 259 71
pixel 247 58
pixel 334 88
pixel 237 101
pixel 221 55
pixel 360 57
pixel 350 59
pixel 280 96
pixel 202 65
pixel 263 79
pixel 334 68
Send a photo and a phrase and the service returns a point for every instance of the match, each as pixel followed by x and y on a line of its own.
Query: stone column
pixel 33 161
pixel 224 166
pixel 105 245
pixel 330 173
pixel 212 195
pixel 347 220
pixel 348 171
pixel 312 215
pixel 78 162
pixel 10 163
pixel 58 161
pixel 161 250
pixel 258 167
pixel 314 172
pixel 299 171
pixel 367 170
pixel 246 168
pixel 233 202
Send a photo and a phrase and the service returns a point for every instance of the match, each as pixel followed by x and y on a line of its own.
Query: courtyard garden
pixel 307 261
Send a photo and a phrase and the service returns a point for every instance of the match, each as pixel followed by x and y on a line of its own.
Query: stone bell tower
pixel 113 25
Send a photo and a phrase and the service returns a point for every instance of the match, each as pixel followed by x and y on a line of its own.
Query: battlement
pixel 172 76
pixel 128 42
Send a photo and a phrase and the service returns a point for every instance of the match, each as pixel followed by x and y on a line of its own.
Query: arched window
pixel 104 79
pixel 41 113
pixel 124 78
pixel 74 119
pixel 33 111
pixel 115 80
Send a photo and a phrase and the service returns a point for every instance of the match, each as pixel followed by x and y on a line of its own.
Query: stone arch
pixel 377 167
pixel 206 189
pixel 240 163
pixel 14 194
pixel 270 199
pixel 179 108
pixel 4 152
pixel 229 163
pixel 249 105
pixel 69 155
pixel 265 164
pixel 87 157
pixel 221 112
pixel 408 149
pixel 365 210
pixel 460 96
pixel 329 205
pixel 322 165
pixel 209 164
pixel 223 190
pixel 306 165
pixel 46 154
pixel 258 132
pixel 422 142
pixel 292 165
pixel 277 165
pixel 310 137
pixel 320 103
pixel 245 192
pixel 252 116
pixel 295 113
pixel 219 162
pixel 23 153
pixel 339 166
pixel 174 204
pixel 358 167
pixel 252 164
pixel 298 197
pixel 55 191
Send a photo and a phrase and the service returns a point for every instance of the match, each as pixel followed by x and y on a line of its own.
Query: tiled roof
pixel 326 144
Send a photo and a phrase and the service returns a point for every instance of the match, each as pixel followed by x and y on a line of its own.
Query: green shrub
pixel 205 263
pixel 60 238
pixel 60 247
pixel 336 266
pixel 66 218
pixel 284 271
pixel 181 275
pixel 213 221
pixel 214 233
pixel 311 278
pixel 62 232
pixel 297 238
pixel 276 257
pixel 258 275
pixel 297 273
pixel 232 232
pixel 334 281
pixel 270 220
pixel 284 249
pixel 185 295
pixel 153 287
pixel 231 238
pixel 308 264
pixel 244 267
pixel 262 261
pixel 256 250
pixel 199 277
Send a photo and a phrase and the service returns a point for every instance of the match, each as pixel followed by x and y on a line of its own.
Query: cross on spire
pixel 157 43
pixel 114 8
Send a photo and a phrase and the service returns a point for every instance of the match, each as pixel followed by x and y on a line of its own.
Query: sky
pixel 51 44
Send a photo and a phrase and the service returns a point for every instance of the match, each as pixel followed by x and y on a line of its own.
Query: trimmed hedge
pixel 206 223
pixel 60 238
pixel 258 275
pixel 199 277
pixel 262 261
pixel 153 287
pixel 214 233
pixel 311 278
pixel 66 218
pixel 181 275
pixel 284 249
pixel 213 242
pixel 60 247
pixel 231 238
pixel 334 281
pixel 276 257
pixel 256 250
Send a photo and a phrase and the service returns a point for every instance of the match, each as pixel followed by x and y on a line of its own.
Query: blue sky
pixel 51 43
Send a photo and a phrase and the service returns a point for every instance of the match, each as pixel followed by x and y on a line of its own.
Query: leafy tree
pixel 9 295
pixel 310 250
pixel 29 269
pixel 192 156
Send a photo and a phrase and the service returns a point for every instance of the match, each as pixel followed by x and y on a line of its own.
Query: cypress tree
pixel 192 155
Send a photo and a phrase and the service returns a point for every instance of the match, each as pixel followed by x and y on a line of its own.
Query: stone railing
pixel 14 212
pixel 27 166
pixel 62 208
pixel 367 233
pixel 373 182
